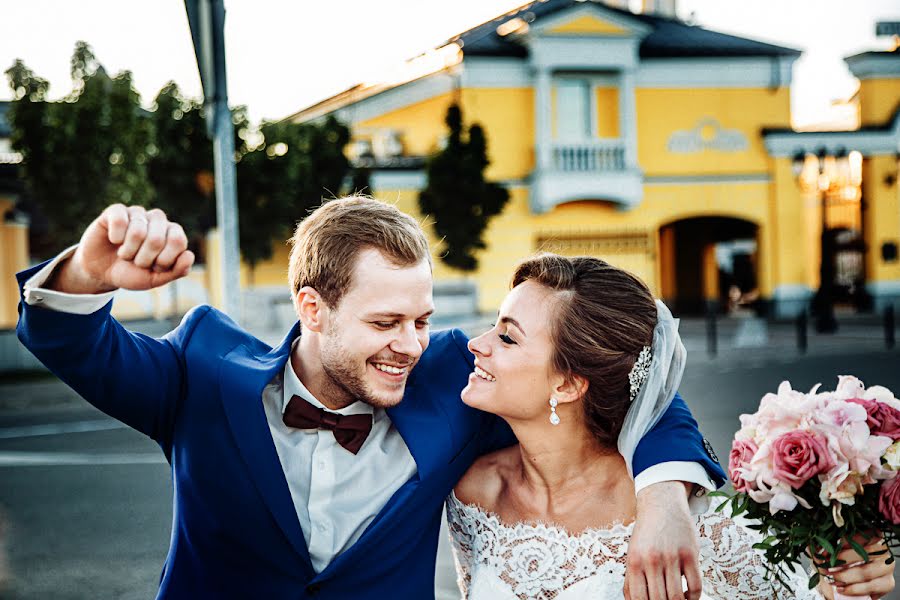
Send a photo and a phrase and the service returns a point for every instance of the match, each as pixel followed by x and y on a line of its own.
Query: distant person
pixel 553 516
pixel 319 468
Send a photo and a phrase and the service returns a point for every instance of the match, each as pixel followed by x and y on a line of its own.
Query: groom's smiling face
pixel 378 330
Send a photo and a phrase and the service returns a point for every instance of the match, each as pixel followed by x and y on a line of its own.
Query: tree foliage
pixel 99 146
pixel 181 163
pixel 457 196
pixel 82 153
pixel 284 178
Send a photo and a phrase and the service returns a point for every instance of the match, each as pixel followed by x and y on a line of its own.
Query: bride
pixel 580 353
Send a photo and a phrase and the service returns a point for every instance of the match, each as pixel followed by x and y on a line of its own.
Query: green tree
pixel 83 153
pixel 284 178
pixel 361 181
pixel 181 163
pixel 457 195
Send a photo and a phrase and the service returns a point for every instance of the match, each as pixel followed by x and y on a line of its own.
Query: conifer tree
pixel 458 197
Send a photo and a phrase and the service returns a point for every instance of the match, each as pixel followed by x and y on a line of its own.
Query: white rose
pixel 892 456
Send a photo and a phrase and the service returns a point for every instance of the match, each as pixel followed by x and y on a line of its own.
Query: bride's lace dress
pixel 501 562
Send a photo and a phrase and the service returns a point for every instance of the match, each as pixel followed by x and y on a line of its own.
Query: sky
pixel 284 55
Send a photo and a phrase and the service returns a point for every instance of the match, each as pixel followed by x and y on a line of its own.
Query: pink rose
pixel 798 456
pixel 883 419
pixel 742 452
pixel 889 500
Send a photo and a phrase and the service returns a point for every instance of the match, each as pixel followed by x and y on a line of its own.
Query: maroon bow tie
pixel 350 431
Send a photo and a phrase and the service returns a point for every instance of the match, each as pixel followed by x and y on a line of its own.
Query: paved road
pixel 88 503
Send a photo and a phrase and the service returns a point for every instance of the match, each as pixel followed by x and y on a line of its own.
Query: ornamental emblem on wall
pixel 707 134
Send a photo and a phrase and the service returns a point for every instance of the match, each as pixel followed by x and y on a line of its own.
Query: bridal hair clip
pixel 639 372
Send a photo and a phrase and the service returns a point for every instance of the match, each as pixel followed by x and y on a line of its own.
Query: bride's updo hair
pixel 603 318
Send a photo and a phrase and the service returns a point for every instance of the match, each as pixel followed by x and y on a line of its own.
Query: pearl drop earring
pixel 554 418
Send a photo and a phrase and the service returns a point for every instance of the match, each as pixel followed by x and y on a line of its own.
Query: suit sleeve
pixel 676 438
pixel 131 377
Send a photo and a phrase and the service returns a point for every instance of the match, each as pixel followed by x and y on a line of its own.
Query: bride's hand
pixel 856 578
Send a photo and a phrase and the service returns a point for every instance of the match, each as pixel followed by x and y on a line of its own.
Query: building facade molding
pixel 399 97
pixel 730 72
pixel 868 142
pixel 631 27
pixel 398 180
pixel 790 300
pixel 884 294
pixel 549 189
pixel 728 178
pixel 874 65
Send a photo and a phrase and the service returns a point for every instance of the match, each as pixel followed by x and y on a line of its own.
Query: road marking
pixel 60 428
pixel 40 459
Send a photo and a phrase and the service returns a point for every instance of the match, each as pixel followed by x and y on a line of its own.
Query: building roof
pixel 668 38
pixel 895 53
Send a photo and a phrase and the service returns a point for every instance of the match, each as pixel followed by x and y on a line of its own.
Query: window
pixel 573 109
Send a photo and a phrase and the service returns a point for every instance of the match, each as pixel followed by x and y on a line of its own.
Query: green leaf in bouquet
pixel 827 547
pixel 720 494
pixel 814 580
pixel 859 549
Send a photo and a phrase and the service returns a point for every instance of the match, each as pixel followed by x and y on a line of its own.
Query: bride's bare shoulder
pixel 486 478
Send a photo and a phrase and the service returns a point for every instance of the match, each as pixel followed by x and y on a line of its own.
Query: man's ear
pixel 569 389
pixel 312 309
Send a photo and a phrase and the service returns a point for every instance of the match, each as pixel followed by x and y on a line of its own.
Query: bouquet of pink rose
pixel 817 473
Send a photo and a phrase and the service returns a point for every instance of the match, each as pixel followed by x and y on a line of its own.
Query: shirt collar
pixel 294 387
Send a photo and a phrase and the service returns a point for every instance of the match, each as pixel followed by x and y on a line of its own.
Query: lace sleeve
pixel 461 539
pixel 732 568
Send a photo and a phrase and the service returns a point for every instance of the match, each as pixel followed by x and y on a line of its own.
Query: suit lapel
pixel 423 426
pixel 243 375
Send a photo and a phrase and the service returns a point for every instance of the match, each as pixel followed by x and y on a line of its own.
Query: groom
pixel 316 469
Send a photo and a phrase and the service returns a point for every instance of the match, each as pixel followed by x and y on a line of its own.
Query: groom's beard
pixel 347 380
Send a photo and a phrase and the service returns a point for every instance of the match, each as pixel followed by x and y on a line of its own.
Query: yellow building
pixel 660 146
pixel 663 147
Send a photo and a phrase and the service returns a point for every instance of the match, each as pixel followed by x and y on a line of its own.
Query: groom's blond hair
pixel 325 244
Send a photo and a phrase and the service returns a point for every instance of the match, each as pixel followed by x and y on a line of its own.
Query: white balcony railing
pixel 589 157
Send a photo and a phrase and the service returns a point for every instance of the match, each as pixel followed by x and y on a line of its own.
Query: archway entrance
pixel 706 259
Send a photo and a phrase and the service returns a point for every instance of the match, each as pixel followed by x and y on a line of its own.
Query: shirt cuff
pixel 77 304
pixel 690 472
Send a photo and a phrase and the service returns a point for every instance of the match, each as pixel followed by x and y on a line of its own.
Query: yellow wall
pixel 515 234
pixel 587 24
pixel 608 112
pixel 790 247
pixel 879 100
pixel 662 112
pixel 881 216
pixel 507 115
pixel 420 124
pixel 13 258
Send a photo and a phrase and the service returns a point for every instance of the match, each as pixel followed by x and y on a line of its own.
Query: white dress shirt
pixel 336 494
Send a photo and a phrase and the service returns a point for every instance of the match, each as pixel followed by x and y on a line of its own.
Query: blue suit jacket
pixel 235 533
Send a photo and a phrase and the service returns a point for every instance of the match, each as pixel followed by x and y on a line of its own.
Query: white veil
pixel 659 387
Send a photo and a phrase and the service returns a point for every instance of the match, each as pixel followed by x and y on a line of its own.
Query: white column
pixel 542 115
pixel 628 117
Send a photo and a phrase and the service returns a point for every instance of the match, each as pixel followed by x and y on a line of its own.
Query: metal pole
pixel 712 339
pixel 801 332
pixel 226 210
pixel 889 338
